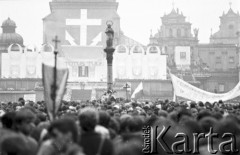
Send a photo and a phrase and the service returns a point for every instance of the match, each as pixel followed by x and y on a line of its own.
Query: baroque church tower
pixel 174 31
pixel 228 29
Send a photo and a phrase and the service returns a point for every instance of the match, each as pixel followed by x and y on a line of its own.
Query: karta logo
pixel 156 139
pixel 84 23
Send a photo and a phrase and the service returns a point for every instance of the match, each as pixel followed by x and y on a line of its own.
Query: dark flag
pixel 48 80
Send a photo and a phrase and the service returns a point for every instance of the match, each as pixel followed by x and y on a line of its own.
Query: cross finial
pixel 230 4
pixel 56 41
pixel 173 4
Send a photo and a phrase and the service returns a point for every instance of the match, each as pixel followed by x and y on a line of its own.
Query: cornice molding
pixel 89 5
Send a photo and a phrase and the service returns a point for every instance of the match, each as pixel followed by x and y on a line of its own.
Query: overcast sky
pixel 138 17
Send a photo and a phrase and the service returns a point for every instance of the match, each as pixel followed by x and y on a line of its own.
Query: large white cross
pixel 83 22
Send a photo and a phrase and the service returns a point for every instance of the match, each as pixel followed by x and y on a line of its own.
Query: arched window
pixel 122 49
pixel 15 48
pixel 137 49
pixel 153 49
pixel 178 32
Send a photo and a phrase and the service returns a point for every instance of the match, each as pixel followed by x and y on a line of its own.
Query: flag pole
pixel 54 85
pixel 174 94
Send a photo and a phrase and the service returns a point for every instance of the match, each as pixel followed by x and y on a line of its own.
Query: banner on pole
pixel 190 92
pixel 48 80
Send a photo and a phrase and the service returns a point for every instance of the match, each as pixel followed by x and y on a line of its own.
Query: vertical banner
pixel 15 60
pixel 48 80
pixel 183 57
pixel 31 65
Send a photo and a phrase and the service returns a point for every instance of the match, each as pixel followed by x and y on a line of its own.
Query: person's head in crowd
pixel 16 145
pixel 208 122
pixel 109 102
pixel 104 118
pixel 135 112
pixel 64 130
pixel 193 105
pixel 162 113
pixel 142 113
pixel 42 117
pixel 218 115
pixel 88 119
pixel 115 126
pixel 202 114
pixel 117 115
pixel 23 121
pixel 184 112
pixel 8 119
pixel 184 118
pixel 124 123
pixel 208 105
pixel 173 116
pixel 134 104
pixel 21 101
pixel 150 121
pixel 220 102
pixel 135 124
pixel 200 104
pixel 194 112
pixel 191 125
pixel 170 109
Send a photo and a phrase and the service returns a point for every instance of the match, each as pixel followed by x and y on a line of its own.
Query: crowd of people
pixel 114 127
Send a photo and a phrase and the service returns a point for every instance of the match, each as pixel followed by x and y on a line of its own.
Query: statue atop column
pixel 196 32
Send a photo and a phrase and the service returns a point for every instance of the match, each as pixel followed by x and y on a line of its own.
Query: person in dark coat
pixel 91 142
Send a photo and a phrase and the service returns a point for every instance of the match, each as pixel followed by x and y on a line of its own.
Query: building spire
pixel 173 4
pixel 230 4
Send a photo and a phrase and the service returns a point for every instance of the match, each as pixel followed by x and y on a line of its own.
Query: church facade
pixel 213 66
pixel 221 55
pixel 80 25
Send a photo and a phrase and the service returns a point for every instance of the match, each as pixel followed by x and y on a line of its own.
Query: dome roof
pixel 8 23
pixel 11 38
